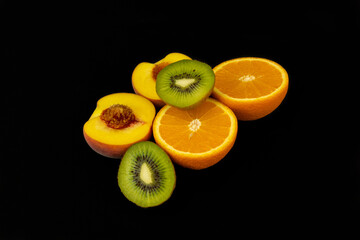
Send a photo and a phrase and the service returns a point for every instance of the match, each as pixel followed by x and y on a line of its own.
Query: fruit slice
pixel 185 84
pixel 251 87
pixel 196 138
pixel 146 175
pixel 144 77
pixel 119 120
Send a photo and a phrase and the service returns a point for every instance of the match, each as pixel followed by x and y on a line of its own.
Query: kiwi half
pixel 185 84
pixel 146 175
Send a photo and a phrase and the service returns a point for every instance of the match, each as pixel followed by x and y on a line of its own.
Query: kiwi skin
pixel 185 99
pixel 131 186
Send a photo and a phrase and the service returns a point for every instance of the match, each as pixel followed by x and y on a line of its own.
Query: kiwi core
pixel 118 116
pixel 184 82
pixel 145 174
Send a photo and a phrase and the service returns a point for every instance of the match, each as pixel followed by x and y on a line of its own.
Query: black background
pixel 290 173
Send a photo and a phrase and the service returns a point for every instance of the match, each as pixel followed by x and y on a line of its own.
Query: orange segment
pixel 196 138
pixel 251 87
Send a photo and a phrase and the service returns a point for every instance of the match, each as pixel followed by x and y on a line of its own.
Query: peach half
pixel 144 77
pixel 119 120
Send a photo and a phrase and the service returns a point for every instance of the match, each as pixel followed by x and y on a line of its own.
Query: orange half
pixel 196 138
pixel 251 87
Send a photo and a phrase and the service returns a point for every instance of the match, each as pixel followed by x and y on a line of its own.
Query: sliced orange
pixel 196 138
pixel 251 87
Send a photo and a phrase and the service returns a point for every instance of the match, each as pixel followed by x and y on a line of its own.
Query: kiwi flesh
pixel 146 175
pixel 185 84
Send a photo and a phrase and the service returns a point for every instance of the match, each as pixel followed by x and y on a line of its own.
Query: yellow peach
pixel 119 120
pixel 144 77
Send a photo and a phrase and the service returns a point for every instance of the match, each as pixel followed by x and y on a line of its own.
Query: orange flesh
pixel 196 130
pixel 157 68
pixel 248 79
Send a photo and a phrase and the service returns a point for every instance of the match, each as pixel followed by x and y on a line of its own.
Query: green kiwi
pixel 146 175
pixel 185 84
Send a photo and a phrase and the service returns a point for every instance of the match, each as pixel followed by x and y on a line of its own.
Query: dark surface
pixel 296 170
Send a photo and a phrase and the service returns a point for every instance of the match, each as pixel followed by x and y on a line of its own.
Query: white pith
pixel 247 78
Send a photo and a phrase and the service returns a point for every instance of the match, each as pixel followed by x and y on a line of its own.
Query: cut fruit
pixel 146 175
pixel 119 120
pixel 251 87
pixel 144 77
pixel 185 84
pixel 196 138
